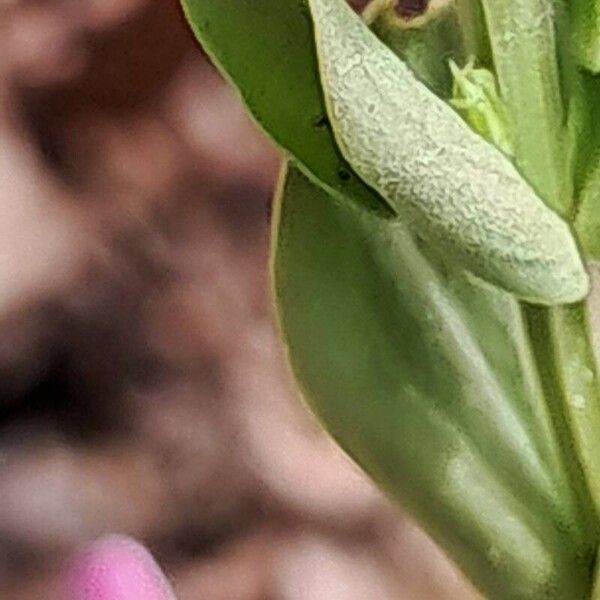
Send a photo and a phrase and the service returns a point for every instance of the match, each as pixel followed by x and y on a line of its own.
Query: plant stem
pixel 474 31
pixel 525 45
pixel 561 345
pixel 578 375
pixel 596 589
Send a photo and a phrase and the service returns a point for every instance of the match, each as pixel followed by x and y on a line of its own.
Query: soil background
pixel 142 386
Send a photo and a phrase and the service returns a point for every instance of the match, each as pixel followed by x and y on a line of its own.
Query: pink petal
pixel 116 568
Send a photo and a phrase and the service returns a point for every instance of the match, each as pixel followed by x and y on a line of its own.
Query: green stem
pixel 596 589
pixel 523 32
pixel 526 42
pixel 474 31
pixel 524 46
pixel 581 392
pixel 561 345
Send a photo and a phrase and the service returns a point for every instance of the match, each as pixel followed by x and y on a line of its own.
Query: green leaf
pixel 458 192
pixel 524 43
pixel 587 222
pixel 584 136
pixel 586 32
pixel 425 378
pixel 266 49
pixel 474 30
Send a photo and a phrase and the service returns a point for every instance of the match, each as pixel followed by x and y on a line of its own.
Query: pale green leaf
pixel 525 57
pixel 587 222
pixel 586 32
pixel 458 192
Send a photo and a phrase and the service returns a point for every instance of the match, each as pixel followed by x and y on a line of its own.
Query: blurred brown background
pixel 142 386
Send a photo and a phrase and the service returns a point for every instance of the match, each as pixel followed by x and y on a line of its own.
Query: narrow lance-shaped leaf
pixel 535 30
pixel 587 222
pixel 583 132
pixel 586 32
pixel 458 192
pixel 474 30
pixel 525 42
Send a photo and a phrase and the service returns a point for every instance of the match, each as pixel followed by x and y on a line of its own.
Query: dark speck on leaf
pixel 344 175
pixel 321 121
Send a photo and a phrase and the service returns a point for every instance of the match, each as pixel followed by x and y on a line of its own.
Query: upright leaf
pixel 474 31
pixel 266 49
pixel 587 222
pixel 525 54
pixel 457 191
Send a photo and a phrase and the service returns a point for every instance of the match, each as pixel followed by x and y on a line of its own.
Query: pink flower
pixel 116 568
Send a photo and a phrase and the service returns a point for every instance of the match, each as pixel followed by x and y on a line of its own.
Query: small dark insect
pixel 344 175
pixel 409 9
pixel 321 121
